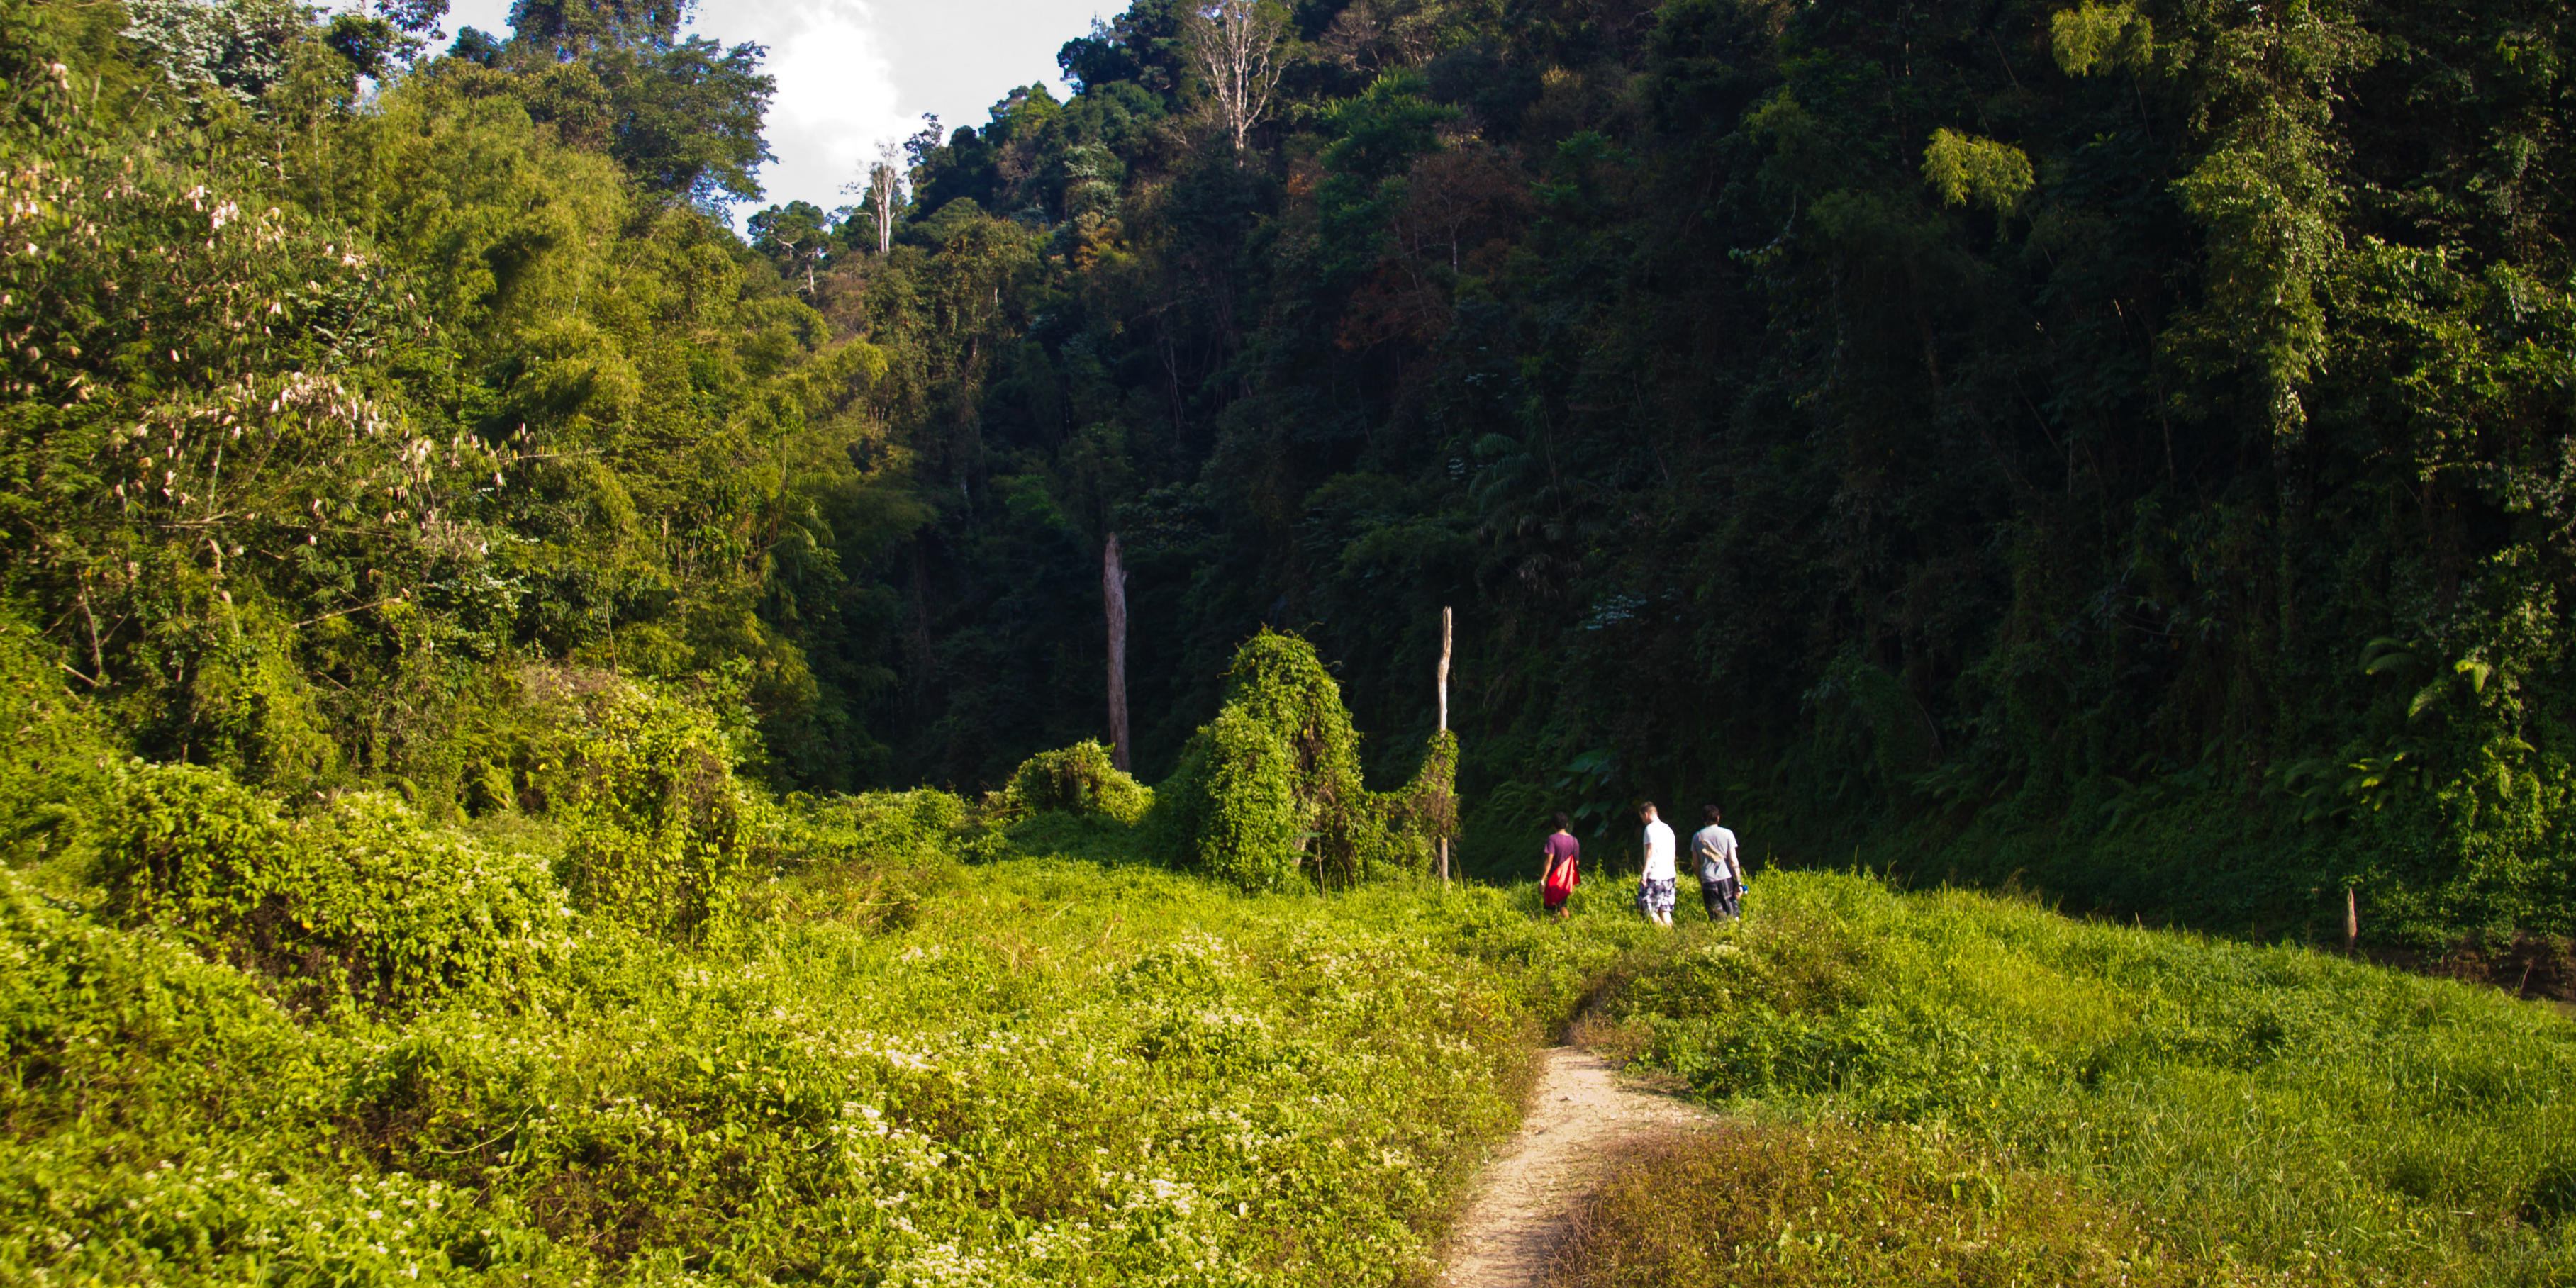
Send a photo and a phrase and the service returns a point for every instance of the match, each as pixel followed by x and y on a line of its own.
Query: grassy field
pixel 1788 1207
pixel 1043 1070
pixel 1019 1060
pixel 2252 1113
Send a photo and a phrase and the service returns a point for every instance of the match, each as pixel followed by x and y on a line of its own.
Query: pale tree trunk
pixel 1443 679
pixel 1235 45
pixel 885 191
pixel 1113 594
pixel 1443 683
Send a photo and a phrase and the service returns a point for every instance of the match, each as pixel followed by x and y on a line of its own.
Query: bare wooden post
pixel 1444 721
pixel 1113 593
pixel 2351 920
pixel 1444 670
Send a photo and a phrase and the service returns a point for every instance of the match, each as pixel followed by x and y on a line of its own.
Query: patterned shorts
pixel 1655 896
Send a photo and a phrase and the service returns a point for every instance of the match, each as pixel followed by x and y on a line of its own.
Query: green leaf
pixel 2427 698
pixel 1964 168
pixel 2101 37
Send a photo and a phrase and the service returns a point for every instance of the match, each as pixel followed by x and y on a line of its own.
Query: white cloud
pixel 851 72
pixel 486 15
pixel 836 94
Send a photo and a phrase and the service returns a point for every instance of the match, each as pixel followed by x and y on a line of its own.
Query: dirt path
pixel 1578 1114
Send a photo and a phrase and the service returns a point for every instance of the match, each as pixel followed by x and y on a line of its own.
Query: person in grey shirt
pixel 1721 873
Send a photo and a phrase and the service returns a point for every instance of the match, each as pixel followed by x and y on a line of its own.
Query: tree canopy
pixel 2121 446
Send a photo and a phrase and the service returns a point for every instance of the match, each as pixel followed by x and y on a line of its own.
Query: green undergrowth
pixel 1269 795
pixel 647 1024
pixel 2267 1111
pixel 358 902
pixel 1044 1069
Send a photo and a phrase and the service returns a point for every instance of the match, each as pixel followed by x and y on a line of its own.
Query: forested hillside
pixel 2122 449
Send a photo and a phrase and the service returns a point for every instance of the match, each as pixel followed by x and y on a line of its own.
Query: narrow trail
pixel 1579 1114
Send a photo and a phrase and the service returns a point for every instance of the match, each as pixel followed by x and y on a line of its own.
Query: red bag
pixel 1561 882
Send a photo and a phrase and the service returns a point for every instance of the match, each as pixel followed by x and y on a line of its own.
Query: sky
pixel 851 73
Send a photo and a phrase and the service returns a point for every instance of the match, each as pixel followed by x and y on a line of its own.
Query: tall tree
pixel 1234 46
pixel 797 236
pixel 573 29
pixel 885 193
pixel 682 114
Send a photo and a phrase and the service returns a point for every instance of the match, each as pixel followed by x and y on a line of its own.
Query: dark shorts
pixel 1720 897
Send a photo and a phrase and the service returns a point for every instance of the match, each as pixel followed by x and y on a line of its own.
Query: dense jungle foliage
pixel 2119 448
pixel 462 606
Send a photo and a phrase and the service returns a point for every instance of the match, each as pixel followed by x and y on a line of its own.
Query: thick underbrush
pixel 643 1023
pixel 2251 1113
pixel 1044 1070
pixel 630 1017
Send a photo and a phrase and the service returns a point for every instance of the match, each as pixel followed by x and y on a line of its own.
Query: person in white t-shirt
pixel 1655 883
pixel 1721 872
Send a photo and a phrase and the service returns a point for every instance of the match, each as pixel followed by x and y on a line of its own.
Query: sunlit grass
pixel 2269 1106
pixel 1044 1070
pixel 1053 1065
pixel 1789 1207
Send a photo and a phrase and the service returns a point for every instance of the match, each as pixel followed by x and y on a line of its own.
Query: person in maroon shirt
pixel 1557 878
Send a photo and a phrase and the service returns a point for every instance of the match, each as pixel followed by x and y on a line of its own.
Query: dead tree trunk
pixel 885 192
pixel 1113 594
pixel 1443 678
pixel 1443 682
pixel 1235 44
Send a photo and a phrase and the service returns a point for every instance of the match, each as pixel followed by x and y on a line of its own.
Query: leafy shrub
pixel 658 831
pixel 1273 783
pixel 1272 786
pixel 1414 818
pixel 1233 807
pixel 361 900
pixel 1078 780
pixel 57 755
